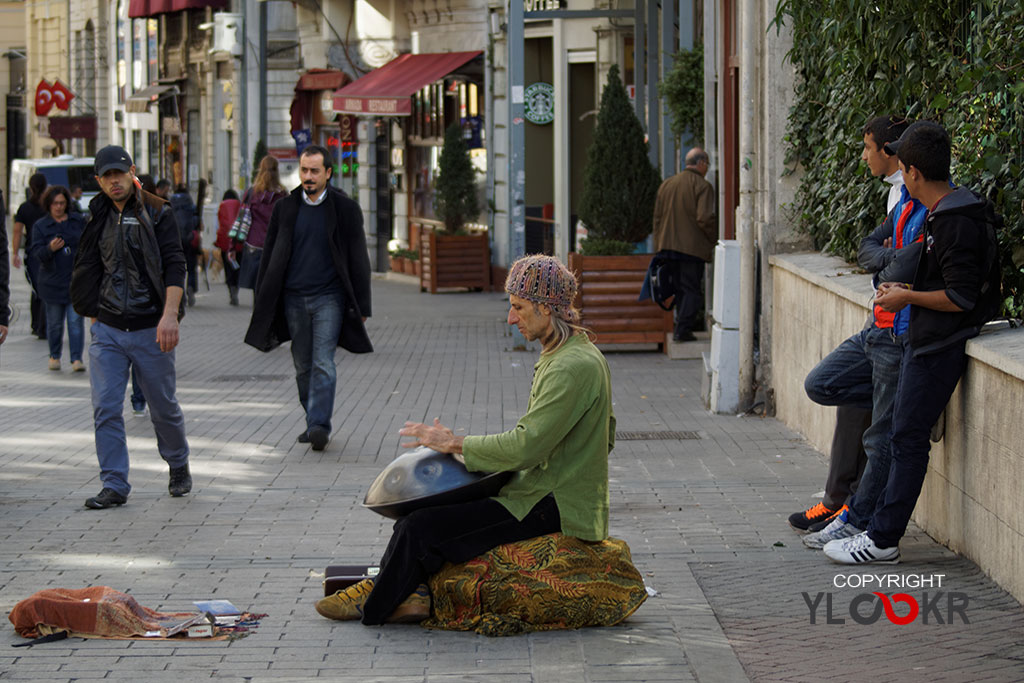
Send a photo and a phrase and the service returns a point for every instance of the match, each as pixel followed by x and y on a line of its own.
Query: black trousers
pixel 424 540
pixel 689 276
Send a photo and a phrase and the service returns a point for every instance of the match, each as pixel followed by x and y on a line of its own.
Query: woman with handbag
pixel 54 242
pixel 258 203
pixel 230 247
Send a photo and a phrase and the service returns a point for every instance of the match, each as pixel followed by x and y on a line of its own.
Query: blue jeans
pixel 138 399
pixel 314 323
pixel 925 385
pixel 110 354
pixel 55 316
pixel 864 369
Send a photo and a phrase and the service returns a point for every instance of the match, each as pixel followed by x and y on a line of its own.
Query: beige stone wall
pixel 46 33
pixel 12 35
pixel 971 496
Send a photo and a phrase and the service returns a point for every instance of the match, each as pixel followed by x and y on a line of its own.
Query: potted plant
pixel 397 260
pixel 411 264
pixel 452 256
pixel 619 188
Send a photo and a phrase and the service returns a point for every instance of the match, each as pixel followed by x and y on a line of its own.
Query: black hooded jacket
pixel 126 261
pixel 959 257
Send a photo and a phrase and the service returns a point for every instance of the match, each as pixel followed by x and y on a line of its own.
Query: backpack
pixel 663 281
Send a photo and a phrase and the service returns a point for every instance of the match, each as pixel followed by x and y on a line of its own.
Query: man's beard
pixel 310 190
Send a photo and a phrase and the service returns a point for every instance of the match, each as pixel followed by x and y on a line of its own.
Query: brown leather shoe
pixel 346 604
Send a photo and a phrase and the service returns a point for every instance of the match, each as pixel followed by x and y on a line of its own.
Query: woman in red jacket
pixel 230 250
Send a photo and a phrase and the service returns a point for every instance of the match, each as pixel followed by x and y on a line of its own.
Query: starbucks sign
pixel 540 103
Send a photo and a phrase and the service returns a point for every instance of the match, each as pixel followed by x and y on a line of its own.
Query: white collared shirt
pixel 320 199
pixel 896 180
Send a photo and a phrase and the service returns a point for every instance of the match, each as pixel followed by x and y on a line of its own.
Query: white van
pixel 64 170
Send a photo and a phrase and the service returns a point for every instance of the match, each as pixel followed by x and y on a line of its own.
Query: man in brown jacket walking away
pixel 685 233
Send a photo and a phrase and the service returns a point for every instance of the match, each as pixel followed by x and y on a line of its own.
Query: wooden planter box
pixel 607 299
pixel 397 264
pixel 454 261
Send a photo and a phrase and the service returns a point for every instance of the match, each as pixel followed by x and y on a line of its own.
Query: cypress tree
pixel 455 200
pixel 619 183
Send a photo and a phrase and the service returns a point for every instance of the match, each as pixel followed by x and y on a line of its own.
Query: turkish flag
pixel 61 95
pixel 44 98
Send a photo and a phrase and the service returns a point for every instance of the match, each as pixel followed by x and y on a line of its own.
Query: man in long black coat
pixel 313 288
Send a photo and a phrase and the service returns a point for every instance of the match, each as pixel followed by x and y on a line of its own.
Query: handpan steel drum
pixel 424 478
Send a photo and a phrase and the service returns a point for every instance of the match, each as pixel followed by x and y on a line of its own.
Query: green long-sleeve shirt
pixel 561 444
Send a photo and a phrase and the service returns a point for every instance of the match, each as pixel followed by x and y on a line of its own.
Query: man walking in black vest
pixel 313 288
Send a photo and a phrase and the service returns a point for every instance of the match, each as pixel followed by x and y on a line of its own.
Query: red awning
pixel 322 79
pixel 387 91
pixel 151 8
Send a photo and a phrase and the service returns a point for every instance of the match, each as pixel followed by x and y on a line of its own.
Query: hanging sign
pixel 541 5
pixel 540 103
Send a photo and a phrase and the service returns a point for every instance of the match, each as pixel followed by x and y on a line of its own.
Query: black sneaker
pixel 107 498
pixel 822 523
pixel 318 438
pixel 303 437
pixel 180 482
pixel 816 513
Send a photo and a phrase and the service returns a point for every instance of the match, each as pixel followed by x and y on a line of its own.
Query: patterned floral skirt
pixel 540 584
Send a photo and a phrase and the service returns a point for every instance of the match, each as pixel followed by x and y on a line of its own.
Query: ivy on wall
pixel 959 63
pixel 683 92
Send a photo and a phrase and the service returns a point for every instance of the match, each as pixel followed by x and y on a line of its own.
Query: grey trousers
pixel 847 458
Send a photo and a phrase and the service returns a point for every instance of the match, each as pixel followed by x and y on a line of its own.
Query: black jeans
pixel 926 383
pixel 424 540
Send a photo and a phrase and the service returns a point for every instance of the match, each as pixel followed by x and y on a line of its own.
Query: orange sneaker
pixel 802 520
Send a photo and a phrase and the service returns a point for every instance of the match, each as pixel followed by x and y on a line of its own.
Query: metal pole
pixel 638 60
pixel 668 147
pixel 263 73
pixel 653 105
pixel 517 142
pixel 748 189
pixel 243 114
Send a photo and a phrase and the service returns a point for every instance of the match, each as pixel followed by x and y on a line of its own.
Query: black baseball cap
pixel 112 158
pixel 892 148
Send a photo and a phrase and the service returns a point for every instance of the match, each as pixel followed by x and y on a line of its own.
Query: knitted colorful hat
pixel 544 280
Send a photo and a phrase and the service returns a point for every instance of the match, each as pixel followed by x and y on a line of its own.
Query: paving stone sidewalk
pixel 705 518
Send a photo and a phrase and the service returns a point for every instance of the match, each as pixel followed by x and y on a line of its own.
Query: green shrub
pixel 960 64
pixel 455 200
pixel 619 183
pixel 597 246
pixel 683 92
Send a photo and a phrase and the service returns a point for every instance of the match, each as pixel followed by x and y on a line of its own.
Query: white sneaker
pixel 836 529
pixel 860 549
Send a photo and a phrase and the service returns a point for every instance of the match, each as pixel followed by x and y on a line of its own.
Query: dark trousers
pixel 37 308
pixel 926 383
pixel 689 275
pixel 191 265
pixel 847 458
pixel 424 540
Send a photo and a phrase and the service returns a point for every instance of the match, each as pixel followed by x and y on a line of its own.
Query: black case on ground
pixel 340 576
